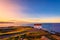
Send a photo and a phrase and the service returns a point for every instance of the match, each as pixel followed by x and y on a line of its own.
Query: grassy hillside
pixel 28 33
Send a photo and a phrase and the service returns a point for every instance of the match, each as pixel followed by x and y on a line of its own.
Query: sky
pixel 30 10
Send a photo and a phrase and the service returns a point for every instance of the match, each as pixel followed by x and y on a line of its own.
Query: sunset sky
pixel 30 10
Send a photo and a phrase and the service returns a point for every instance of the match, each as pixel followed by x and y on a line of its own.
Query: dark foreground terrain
pixel 27 33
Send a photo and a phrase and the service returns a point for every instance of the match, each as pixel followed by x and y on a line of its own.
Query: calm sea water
pixel 52 26
pixel 48 26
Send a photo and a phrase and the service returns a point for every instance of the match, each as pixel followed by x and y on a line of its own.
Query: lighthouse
pixel 38 26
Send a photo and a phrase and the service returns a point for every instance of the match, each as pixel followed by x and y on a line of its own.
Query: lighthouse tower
pixel 38 26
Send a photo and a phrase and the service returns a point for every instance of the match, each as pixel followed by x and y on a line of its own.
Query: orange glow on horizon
pixel 33 20
pixel 8 13
pixel 50 20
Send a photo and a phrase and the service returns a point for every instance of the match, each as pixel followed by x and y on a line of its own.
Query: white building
pixel 38 26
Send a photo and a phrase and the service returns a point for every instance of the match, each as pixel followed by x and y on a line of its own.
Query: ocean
pixel 48 26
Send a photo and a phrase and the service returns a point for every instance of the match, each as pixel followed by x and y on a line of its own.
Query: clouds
pixel 42 20
pixel 9 10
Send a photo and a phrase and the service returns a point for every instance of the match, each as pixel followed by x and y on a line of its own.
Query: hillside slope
pixel 28 33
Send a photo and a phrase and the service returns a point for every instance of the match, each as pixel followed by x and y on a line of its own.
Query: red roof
pixel 38 24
